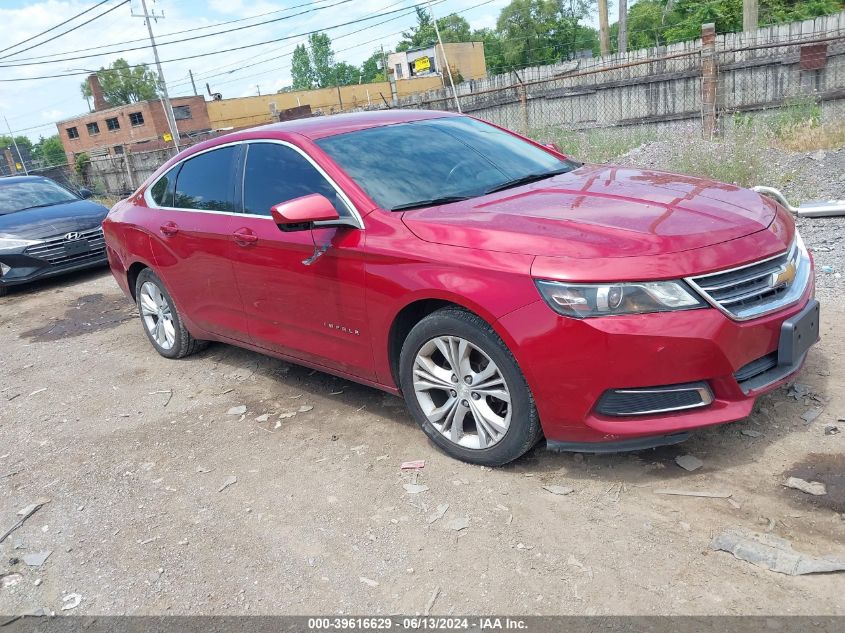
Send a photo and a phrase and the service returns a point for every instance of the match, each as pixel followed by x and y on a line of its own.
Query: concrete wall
pixel 249 111
pixel 755 71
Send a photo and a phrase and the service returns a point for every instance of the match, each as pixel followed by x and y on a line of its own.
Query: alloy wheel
pixel 157 315
pixel 462 392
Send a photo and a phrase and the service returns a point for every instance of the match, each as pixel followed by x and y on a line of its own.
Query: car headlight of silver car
pixel 14 243
pixel 595 300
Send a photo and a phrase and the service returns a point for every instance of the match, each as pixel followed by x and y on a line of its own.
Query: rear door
pixel 193 239
pixel 309 309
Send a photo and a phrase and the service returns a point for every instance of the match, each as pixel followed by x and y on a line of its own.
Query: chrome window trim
pixel 792 296
pixel 356 218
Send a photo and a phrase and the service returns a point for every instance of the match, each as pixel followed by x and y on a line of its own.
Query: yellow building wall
pixel 405 87
pixel 250 111
pixel 465 57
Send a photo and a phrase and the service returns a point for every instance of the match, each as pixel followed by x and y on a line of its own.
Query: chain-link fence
pixel 790 74
pixel 799 67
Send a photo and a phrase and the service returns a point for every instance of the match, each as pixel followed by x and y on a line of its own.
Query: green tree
pixel 22 141
pixel 645 23
pixel 537 32
pixel 49 151
pixel 312 65
pixel 123 84
pixel 494 56
pixel 453 28
pixel 302 73
pixel 654 22
pixel 346 74
pixel 371 69
pixel 422 34
pixel 322 59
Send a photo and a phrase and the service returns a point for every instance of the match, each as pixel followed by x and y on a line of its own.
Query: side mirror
pixel 302 212
pixel 85 193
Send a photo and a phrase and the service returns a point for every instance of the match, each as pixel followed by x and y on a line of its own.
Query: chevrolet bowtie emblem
pixel 783 277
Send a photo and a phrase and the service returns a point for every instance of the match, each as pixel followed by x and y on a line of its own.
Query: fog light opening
pixel 654 400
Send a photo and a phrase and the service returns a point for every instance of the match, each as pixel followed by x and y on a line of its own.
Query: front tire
pixel 160 318
pixel 465 389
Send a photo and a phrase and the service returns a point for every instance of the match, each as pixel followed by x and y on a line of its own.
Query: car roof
pixel 322 126
pixel 8 180
pixel 312 128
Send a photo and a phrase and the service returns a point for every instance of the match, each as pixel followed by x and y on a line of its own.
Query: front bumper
pixel 50 259
pixel 571 363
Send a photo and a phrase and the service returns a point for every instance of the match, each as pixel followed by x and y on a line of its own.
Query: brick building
pixel 110 130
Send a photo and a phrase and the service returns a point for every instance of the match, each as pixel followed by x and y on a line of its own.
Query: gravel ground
pixel 135 453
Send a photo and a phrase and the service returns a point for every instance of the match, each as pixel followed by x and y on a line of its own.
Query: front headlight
pixel 13 243
pixel 593 300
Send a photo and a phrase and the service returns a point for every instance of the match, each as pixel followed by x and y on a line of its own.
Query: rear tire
pixel 160 318
pixel 465 389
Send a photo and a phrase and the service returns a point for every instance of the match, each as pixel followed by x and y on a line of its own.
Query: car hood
pixel 598 211
pixel 32 224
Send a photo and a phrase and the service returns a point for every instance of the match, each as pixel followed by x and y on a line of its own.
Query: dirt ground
pixel 134 452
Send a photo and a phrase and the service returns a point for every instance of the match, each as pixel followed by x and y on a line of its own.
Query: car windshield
pixel 28 194
pixel 436 161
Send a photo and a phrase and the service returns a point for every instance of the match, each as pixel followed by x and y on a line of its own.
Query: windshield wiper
pixel 429 203
pixel 524 180
pixel 46 204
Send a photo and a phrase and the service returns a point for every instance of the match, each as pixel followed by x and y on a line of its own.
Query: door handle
pixel 168 228
pixel 245 237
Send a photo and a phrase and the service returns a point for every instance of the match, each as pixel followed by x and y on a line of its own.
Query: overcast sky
pixel 32 106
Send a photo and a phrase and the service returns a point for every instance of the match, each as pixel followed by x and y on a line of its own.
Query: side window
pixel 205 182
pixel 162 191
pixel 276 173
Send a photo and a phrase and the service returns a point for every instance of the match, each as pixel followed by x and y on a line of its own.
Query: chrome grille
pixel 53 250
pixel 759 288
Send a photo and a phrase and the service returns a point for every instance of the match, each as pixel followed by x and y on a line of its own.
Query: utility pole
pixel 604 33
pixel 749 15
pixel 394 93
pixel 165 98
pixel 191 75
pixel 623 26
pixel 258 88
pixel 446 60
pixel 15 143
pixel 384 63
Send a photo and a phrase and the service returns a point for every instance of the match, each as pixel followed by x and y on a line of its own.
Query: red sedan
pixel 505 290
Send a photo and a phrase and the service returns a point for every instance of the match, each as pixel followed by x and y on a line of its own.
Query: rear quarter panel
pixel 127 243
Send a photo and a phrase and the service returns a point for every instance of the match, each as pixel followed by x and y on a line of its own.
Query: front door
pixel 304 306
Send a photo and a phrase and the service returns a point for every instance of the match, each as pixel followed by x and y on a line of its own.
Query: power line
pixel 34 127
pixel 78 26
pixel 289 52
pixel 208 73
pixel 144 39
pixel 227 50
pixel 53 28
pixel 179 41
